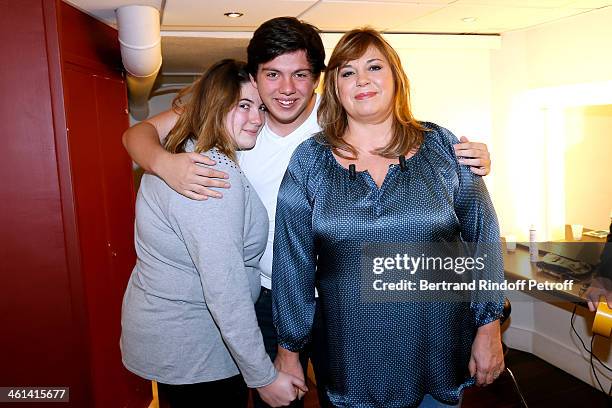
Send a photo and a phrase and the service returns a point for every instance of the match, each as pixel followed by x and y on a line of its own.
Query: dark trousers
pixel 263 310
pixel 230 392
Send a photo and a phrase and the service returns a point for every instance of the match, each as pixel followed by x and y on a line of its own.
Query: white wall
pixel 452 87
pixel 573 50
pixel 588 168
pixel 536 75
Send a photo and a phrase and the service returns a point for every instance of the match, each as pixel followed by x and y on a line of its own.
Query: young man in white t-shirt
pixel 285 58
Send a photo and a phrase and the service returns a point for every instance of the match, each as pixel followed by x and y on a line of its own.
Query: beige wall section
pixel 451 87
pixel 510 169
pixel 572 50
pixel 588 166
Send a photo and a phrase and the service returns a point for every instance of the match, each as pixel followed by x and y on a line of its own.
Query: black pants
pixel 230 392
pixel 263 309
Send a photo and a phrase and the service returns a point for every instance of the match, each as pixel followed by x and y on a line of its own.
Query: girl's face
pixel 244 121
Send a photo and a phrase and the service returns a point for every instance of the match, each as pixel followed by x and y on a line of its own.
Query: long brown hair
pixel 203 107
pixel 407 131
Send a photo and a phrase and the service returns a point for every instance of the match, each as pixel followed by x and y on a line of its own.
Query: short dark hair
pixel 283 35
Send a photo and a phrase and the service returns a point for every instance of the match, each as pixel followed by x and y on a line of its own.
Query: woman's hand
pixel 475 155
pixel 487 359
pixel 282 391
pixel 184 174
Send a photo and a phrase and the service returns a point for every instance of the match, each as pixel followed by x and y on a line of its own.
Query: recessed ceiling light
pixel 233 14
pixel 469 19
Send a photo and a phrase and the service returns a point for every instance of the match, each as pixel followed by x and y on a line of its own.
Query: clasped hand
pixel 283 390
pixel 289 384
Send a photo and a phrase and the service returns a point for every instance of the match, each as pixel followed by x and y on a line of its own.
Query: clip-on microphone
pixel 352 172
pixel 402 163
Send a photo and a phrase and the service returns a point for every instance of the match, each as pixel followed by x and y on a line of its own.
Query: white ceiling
pixel 217 36
pixel 493 16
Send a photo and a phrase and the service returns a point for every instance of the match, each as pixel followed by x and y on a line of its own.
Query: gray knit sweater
pixel 188 311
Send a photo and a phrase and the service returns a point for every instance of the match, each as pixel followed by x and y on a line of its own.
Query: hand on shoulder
pixel 473 154
pixel 184 173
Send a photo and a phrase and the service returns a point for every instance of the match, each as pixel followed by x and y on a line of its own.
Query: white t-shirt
pixel 265 165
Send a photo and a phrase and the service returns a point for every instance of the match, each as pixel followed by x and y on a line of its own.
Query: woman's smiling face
pixel 366 87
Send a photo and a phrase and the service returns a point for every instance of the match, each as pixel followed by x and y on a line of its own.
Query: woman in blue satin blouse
pixel 376 175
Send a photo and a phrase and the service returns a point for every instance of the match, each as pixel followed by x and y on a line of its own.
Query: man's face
pixel 286 86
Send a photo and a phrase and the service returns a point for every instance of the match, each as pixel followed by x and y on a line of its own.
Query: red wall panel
pixel 119 203
pixel 38 333
pixel 86 167
pixel 88 42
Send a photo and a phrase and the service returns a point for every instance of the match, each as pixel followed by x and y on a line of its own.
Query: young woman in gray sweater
pixel 188 319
